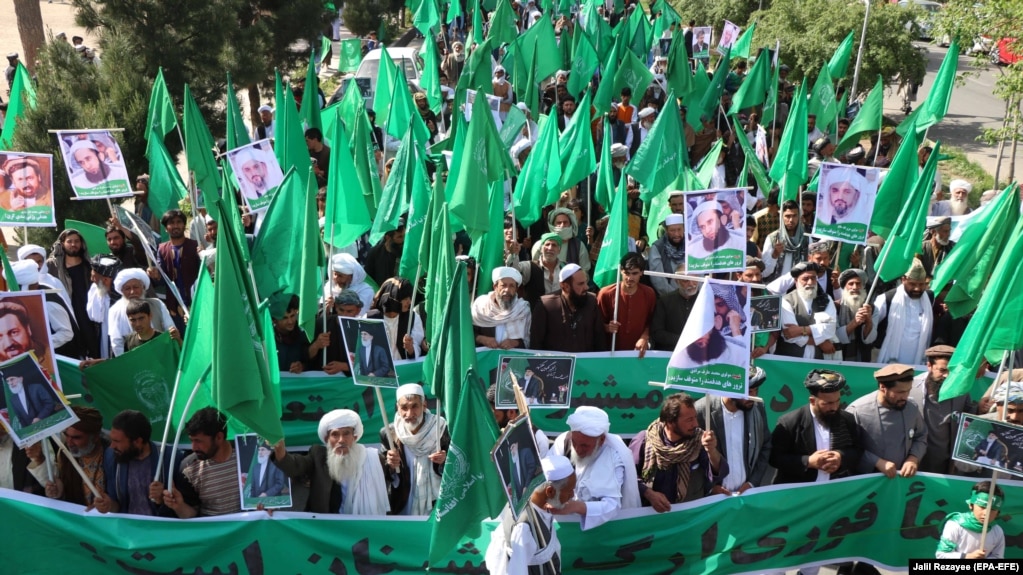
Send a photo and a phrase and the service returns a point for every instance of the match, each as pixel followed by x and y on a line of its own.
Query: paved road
pixel 973 107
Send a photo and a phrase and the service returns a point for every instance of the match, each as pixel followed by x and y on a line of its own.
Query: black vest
pixel 803 318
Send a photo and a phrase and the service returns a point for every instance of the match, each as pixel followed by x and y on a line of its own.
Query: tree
pixel 363 16
pixel 715 13
pixel 30 29
pixel 810 30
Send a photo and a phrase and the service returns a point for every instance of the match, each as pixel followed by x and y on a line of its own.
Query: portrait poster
pixel 729 34
pixel 702 37
pixel 545 381
pixel 259 480
pixel 32 406
pixel 95 165
pixel 518 462
pixel 845 201
pixel 713 352
pixel 989 443
pixel 765 313
pixel 25 325
pixel 494 102
pixel 26 190
pixel 715 230
pixel 257 172
pixel 368 351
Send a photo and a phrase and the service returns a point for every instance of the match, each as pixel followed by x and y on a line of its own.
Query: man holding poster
pixel 712 246
pixel 94 164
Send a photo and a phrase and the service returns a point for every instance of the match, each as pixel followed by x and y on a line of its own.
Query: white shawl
pixel 426 483
pixel 366 494
pixel 515 321
pixel 897 324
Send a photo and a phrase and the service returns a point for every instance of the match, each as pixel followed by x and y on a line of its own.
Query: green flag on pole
pixel 503 24
pixel 407 174
pixel 241 380
pixel 426 17
pixel 311 97
pixel 901 246
pixel 838 65
pixel 289 137
pixel 605 187
pixel 199 151
pixel 346 216
pixel 662 155
pixel 488 251
pixel 710 98
pixel 975 255
pixel 606 88
pixel 9 277
pixel 867 120
pixel 897 185
pixel 237 136
pixel 430 80
pixel 632 72
pixel 822 102
pixel 584 64
pixel 349 55
pixel 416 226
pixel 166 188
pixel 753 90
pixel 752 161
pixel 771 103
pixel 387 76
pixel 160 117
pixel 940 95
pixel 789 168
pixel 541 174
pixel 578 159
pixel 994 328
pixel 454 11
pixel 616 238
pixel 742 45
pixel 490 163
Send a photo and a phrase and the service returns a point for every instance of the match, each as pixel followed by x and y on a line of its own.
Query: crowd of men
pixel 104 301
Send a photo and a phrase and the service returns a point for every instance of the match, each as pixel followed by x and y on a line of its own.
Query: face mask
pixel 565 232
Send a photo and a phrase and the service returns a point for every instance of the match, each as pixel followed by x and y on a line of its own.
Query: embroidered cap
pixel 824 381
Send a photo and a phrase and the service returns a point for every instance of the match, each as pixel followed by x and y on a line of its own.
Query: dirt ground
pixel 58 16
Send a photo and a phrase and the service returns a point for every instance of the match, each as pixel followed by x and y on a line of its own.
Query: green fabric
pixel 867 120
pixel 753 90
pixel 584 64
pixel 199 151
pixel 454 11
pixel 771 103
pixel 578 159
pixel 606 88
pixel 540 175
pixel 822 102
pixel 165 186
pixel 897 185
pixel 789 168
pixel 289 137
pixel 974 256
pixel 407 174
pixel 742 45
pixel 904 242
pixel 237 136
pixel 616 239
pixel 12 281
pixel 632 72
pixel 311 97
pixel 540 41
pixel 994 327
pixel 511 129
pixel 503 24
pixel 605 187
pixel 752 161
pixel 705 171
pixel 160 118
pixel 95 236
pixel 710 97
pixel 838 65
pixel 346 216
pixel 936 105
pixel 430 80
pixel 388 76
pixel 488 251
pixel 426 17
pixel 453 342
pixel 404 114
pixel 662 155
pixel 416 223
pixel 349 55
pixel 490 163
pixel 242 386
pixel 980 499
pixel 678 74
pixel 440 271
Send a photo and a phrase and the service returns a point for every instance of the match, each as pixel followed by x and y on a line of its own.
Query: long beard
pixel 581 462
pixel 958 207
pixel 262 460
pixel 853 301
pixel 75 452
pixel 807 292
pixel 505 304
pixel 941 241
pixel 344 467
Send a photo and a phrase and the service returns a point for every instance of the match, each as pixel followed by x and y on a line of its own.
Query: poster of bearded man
pixel 258 174
pixel 259 480
pixel 845 201
pixel 31 406
pixel 26 190
pixel 94 163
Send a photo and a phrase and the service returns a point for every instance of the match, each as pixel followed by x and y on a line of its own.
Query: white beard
pixel 345 467
pixel 581 462
pixel 262 460
pixel 853 302
pixel 807 293
pixel 16 388
pixel 941 242
pixel 958 207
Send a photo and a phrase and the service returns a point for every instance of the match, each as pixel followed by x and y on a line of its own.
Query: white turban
pixel 26 272
pixel 590 421
pixel 851 175
pixel 506 272
pixel 338 419
pixel 674 220
pixel 567 272
pixel 30 249
pixel 556 467
pixel 246 155
pixel 410 389
pixel 343 263
pixel 264 108
pixel 126 275
pixel 960 185
pixel 646 112
pixel 82 145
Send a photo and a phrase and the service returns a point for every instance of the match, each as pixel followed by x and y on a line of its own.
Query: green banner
pixel 620 385
pixel 885 521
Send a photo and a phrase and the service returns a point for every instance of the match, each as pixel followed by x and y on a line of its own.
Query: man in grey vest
pixel 808 316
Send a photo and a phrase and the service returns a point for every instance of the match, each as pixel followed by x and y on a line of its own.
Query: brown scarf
pixel 659 456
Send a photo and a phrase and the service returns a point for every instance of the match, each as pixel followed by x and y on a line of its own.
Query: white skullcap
pixel 706 206
pixel 82 145
pixel 960 184
pixel 499 69
pixel 126 275
pixel 618 150
pixel 410 389
pixel 29 249
pixel 561 74
pixel 26 272
pixel 674 220
pixel 556 467
pixel 568 271
pixel 849 174
pixel 246 155
pixel 506 272
pixel 590 421
pixel 343 263
pixel 264 108
pixel 647 112
pixel 337 419
pixel 522 106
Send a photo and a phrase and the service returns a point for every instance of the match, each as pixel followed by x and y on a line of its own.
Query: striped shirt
pixel 216 484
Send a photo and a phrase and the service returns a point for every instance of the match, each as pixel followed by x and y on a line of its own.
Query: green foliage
pixel 810 30
pixel 363 16
pixel 715 13
pixel 959 166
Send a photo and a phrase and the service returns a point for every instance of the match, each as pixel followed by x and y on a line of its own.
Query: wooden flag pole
pixel 74 463
pixel 618 297
pixel 330 283
pixel 383 416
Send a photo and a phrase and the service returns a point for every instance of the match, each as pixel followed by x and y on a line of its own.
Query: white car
pixel 926 23
pixel 407 59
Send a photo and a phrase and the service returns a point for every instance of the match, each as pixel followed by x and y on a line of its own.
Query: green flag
pixel 789 168
pixel 490 163
pixel 584 63
pixel 742 45
pixel 286 253
pixel 349 55
pixel 662 155
pixel 362 149
pixel 12 281
pixel 165 186
pixel 415 226
pixel 565 49
pixel 705 170
pixel 241 381
pixel 639 35
pixel 512 127
pixel 387 77
pixel 678 74
pixel 454 11
pixel 616 238
pixel 230 198
pixel 531 93
pixel 632 72
pixel 578 159
pixel 440 267
pixel 904 242
pixel 867 120
pixel 541 174
pixel 974 256
pixel 289 137
pixel 453 342
pixel 605 187
pixel 710 98
pixel 838 65
pixel 478 71
pixel 199 151
pixel 477 24
pixel 822 102
pixel 895 189
pixel 771 104
pixel 311 97
pixel 346 216
pixel 407 174
pixel 426 17
pixel 152 368
pixel 752 161
pixel 753 90
pixel 489 249
pixel 470 488
pixel 237 136
pixel 936 105
pixel 503 28
pixel 995 327
pixel 404 114
pixel 161 117
pixel 430 80
pixel 541 41
pixel 606 89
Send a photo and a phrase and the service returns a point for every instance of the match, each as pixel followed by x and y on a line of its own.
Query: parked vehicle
pixel 407 59
pixel 927 21
pixel 1008 51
